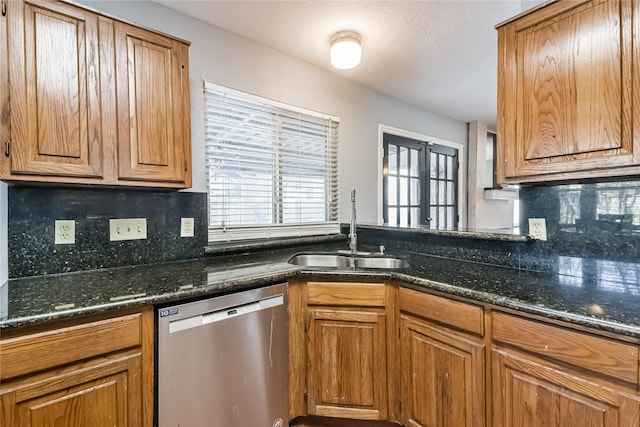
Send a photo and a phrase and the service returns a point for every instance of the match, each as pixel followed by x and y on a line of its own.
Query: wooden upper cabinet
pixel 54 87
pixel 153 94
pixel 91 100
pixel 568 92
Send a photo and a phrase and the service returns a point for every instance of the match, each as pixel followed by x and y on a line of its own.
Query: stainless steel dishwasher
pixel 223 362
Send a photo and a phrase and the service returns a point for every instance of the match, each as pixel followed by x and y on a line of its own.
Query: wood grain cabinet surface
pixel 153 99
pixel 450 362
pixel 347 350
pixel 545 375
pixel 569 93
pixel 91 100
pixel 94 374
pixel 442 371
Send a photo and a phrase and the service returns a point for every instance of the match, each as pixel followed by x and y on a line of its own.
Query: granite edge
pixel 476 235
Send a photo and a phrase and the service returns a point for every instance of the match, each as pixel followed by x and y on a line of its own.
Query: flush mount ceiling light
pixel 345 50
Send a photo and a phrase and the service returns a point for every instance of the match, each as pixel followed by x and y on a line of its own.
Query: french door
pixel 420 184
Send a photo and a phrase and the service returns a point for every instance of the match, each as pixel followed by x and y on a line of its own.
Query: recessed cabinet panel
pixel 55 112
pixel 151 100
pixel 442 376
pixel 527 393
pixel 348 365
pixel 569 78
pixel 150 106
pixel 99 403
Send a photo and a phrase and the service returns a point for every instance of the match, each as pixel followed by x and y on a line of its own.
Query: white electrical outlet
pixel 65 232
pixel 538 228
pixel 186 227
pixel 127 229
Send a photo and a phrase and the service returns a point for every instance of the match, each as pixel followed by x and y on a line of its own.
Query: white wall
pixel 484 213
pixel 233 61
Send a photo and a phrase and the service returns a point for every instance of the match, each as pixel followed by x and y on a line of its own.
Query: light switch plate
pixel 186 227
pixel 65 233
pixel 538 228
pixel 127 229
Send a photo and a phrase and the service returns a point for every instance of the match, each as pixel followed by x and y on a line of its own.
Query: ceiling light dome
pixel 345 50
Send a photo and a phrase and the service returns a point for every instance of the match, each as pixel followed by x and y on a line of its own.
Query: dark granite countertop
pixel 607 299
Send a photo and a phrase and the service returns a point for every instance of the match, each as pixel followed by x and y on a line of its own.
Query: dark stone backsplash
pixel 588 226
pixel 596 220
pixel 33 210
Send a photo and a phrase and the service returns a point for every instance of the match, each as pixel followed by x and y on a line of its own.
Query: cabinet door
pixel 103 395
pixel 529 393
pixel 347 364
pixel 565 82
pixel 54 85
pixel 442 376
pixel 153 103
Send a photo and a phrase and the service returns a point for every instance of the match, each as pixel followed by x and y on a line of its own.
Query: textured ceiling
pixel 438 55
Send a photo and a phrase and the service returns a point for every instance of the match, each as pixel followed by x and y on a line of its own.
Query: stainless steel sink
pixel 320 260
pixel 340 261
pixel 386 263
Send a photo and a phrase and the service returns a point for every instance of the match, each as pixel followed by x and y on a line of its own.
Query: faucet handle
pixel 382 249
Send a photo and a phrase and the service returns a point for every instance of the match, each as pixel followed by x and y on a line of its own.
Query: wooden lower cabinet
pixel 98 374
pixel 442 361
pixel 370 351
pixel 107 394
pixel 348 364
pixel 529 392
pixel 442 376
pixel 550 375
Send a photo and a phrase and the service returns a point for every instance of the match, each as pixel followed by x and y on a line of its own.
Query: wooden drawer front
pixel 31 353
pixel 596 354
pixel 463 316
pixel 346 294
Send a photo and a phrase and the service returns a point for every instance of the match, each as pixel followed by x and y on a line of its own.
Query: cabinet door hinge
pixel 7 148
pixel 4 7
pixel 305 395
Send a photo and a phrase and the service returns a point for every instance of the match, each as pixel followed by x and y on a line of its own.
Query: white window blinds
pixel 272 168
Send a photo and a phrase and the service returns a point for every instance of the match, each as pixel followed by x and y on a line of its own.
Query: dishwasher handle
pixel 224 314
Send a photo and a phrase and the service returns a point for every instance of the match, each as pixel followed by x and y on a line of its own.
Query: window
pixel 272 168
pixel 420 184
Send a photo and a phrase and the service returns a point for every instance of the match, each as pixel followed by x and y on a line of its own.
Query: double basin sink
pixel 346 261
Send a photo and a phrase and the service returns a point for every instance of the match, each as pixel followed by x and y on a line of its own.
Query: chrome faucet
pixel 353 237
